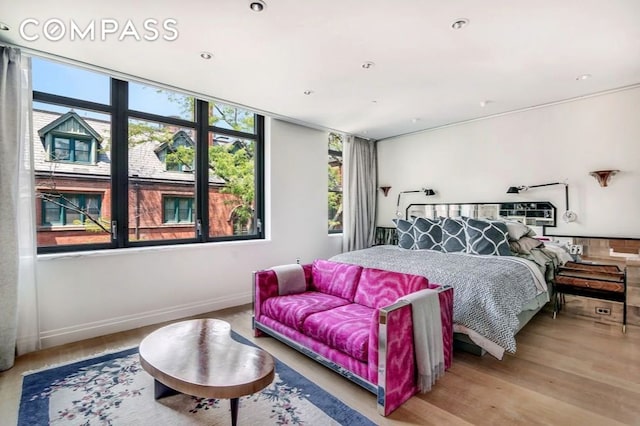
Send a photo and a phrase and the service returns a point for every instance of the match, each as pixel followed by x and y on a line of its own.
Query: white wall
pixel 477 161
pixel 83 295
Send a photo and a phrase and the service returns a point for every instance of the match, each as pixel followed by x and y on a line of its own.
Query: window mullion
pixel 202 170
pixel 259 173
pixel 120 161
pixel 62 213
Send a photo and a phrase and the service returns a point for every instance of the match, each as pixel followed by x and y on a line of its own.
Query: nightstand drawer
pixel 617 287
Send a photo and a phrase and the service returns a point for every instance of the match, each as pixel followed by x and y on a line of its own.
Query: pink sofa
pixel 349 320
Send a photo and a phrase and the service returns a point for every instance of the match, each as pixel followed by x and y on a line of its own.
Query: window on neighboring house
pixel 335 182
pixel 129 140
pixel 69 149
pixel 178 210
pixel 65 209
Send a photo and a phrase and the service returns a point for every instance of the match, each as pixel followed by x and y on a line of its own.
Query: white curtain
pixel 19 331
pixel 361 178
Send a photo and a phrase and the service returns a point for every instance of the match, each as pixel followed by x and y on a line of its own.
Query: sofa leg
pixel 256 331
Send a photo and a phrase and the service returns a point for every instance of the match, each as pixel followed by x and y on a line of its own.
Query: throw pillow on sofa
pixel 337 279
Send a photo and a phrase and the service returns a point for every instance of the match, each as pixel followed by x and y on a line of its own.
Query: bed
pixel 494 295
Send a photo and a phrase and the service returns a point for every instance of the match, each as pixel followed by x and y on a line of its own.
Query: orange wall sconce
pixel 385 190
pixel 603 176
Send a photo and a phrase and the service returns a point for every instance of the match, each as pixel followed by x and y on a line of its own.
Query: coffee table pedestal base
pixel 162 391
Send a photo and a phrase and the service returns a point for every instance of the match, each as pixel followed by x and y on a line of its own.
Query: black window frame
pixel 120 115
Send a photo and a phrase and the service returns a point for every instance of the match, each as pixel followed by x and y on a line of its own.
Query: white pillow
pixel 517 230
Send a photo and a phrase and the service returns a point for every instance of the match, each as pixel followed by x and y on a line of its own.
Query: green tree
pixel 232 162
pixel 335 181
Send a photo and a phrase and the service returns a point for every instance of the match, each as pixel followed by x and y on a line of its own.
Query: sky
pixel 59 79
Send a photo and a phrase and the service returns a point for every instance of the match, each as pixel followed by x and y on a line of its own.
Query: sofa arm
pixel 265 286
pixel 396 360
pixel 394 354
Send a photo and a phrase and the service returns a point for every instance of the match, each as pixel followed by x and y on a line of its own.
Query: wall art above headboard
pixel 536 213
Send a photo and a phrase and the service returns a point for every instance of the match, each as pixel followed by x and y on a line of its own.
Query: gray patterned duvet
pixel 489 291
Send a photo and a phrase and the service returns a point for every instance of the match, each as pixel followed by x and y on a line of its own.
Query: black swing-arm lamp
pixel 427 191
pixel 568 215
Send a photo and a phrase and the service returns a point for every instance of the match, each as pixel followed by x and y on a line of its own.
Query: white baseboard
pixel 88 330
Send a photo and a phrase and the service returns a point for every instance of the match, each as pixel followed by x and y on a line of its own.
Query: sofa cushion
pixel 293 309
pixel 378 288
pixel 345 328
pixel 337 279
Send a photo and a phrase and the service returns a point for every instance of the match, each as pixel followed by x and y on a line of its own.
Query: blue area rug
pixel 113 389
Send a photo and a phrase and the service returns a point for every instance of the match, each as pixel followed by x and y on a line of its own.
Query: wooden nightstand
pixel 605 282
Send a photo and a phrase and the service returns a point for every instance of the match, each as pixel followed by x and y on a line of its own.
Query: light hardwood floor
pixel 567 371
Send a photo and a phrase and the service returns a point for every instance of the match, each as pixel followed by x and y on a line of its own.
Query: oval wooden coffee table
pixel 199 358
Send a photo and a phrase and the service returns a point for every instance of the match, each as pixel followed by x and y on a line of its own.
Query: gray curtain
pixel 10 80
pixel 19 325
pixel 362 177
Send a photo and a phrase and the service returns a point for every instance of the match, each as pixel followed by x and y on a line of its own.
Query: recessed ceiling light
pixel 4 27
pixel 583 77
pixel 257 5
pixel 308 92
pixel 415 120
pixel 367 65
pixel 459 23
pixel 484 103
pixel 206 55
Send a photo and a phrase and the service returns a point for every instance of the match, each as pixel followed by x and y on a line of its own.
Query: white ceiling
pixel 514 54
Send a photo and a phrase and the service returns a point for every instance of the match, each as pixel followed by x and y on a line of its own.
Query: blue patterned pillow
pixel 427 234
pixel 454 238
pixel 406 238
pixel 484 237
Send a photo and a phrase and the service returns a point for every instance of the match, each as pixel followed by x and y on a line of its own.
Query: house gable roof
pixel 72 123
pixel 143 159
pixel 180 138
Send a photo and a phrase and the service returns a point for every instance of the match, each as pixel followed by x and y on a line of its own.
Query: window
pixel 178 210
pixel 69 149
pixel 62 209
pixel 71 133
pixel 232 187
pixel 170 168
pixel 335 182
pixel 159 152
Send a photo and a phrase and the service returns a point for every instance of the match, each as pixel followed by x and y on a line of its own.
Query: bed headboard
pixel 534 213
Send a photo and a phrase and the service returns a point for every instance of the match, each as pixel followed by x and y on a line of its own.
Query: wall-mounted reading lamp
pixel 568 215
pixel 427 191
